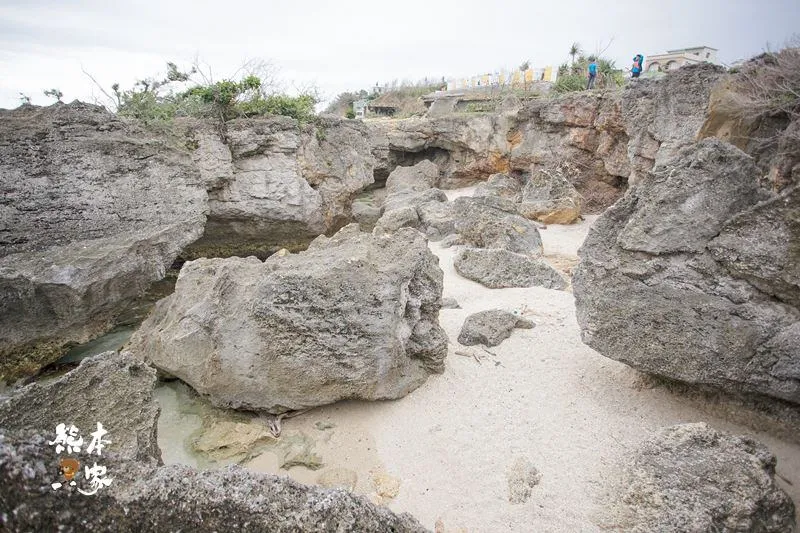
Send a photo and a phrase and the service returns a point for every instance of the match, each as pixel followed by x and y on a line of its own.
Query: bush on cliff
pixel 157 100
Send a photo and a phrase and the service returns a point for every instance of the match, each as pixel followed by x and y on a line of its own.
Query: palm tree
pixel 574 50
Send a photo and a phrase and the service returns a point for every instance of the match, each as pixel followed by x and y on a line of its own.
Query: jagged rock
pixel 113 389
pixel 522 476
pixel 93 210
pixel 174 498
pixel 401 217
pixel 497 269
pixel 450 303
pixel 690 277
pixel 420 177
pixel 755 245
pixel 437 219
pixel 491 327
pixel 452 240
pixel 692 478
pixel 482 224
pixel 288 183
pixel 502 185
pixel 662 116
pixel 465 149
pixel 549 198
pixel 366 215
pixel 413 202
pixel 354 316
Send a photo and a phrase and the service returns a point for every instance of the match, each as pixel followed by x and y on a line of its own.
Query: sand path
pixel 545 396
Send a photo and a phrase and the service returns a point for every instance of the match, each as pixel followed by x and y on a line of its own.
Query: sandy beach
pixel 443 453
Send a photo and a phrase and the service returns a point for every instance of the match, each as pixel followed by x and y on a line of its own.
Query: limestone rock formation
pixel 662 116
pixel 491 327
pixel 277 183
pixel 693 276
pixel 496 268
pixel 143 499
pixel 550 198
pixel 492 222
pixel 354 316
pixel 93 210
pixel 113 389
pixel 692 478
pixel 413 201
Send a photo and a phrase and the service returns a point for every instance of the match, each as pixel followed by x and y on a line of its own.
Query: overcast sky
pixel 348 45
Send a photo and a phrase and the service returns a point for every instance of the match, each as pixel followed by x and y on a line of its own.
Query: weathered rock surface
pixel 549 198
pixel 354 316
pixel 413 201
pixel 492 222
pixel 174 498
pixel 690 478
pixel 93 209
pixel 496 269
pixel 113 389
pixel 662 116
pixel 491 327
pixel 597 140
pixel 277 183
pixel 693 276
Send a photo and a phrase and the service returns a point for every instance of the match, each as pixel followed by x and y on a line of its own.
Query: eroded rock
pixel 113 389
pixel 691 277
pixel 692 478
pixel 496 268
pixel 491 327
pixel 354 316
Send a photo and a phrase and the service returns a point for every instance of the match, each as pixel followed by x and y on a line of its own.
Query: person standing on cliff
pixel 638 61
pixel 592 74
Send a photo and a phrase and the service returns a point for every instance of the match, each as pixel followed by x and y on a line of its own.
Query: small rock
pixel 450 303
pixel 491 327
pixel 522 476
pixel 322 426
pixel 386 487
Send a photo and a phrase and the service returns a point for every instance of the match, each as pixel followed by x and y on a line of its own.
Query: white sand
pixel 545 396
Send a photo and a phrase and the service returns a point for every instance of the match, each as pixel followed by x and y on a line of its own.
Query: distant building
pixel 385 105
pixel 677 58
pixel 360 108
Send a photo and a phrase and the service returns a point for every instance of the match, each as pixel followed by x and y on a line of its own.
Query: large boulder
pixel 693 276
pixel 115 390
pixel 691 478
pixel 496 268
pixel 144 499
pixel 548 197
pixel 491 327
pixel 413 201
pixel 354 316
pixel 492 222
pixel 93 210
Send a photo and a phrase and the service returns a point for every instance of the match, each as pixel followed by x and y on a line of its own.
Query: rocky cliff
pixel 597 140
pixel 95 208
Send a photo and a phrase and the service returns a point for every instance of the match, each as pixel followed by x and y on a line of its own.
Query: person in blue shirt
pixel 592 74
pixel 638 63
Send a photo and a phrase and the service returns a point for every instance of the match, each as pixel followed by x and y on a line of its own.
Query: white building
pixel 677 58
pixel 360 108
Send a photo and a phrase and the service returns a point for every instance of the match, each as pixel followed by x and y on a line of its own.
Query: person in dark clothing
pixel 638 63
pixel 592 74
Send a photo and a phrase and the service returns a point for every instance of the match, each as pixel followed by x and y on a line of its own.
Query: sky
pixel 353 44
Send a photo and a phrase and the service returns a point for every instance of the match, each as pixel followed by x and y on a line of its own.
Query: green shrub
pixel 569 83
